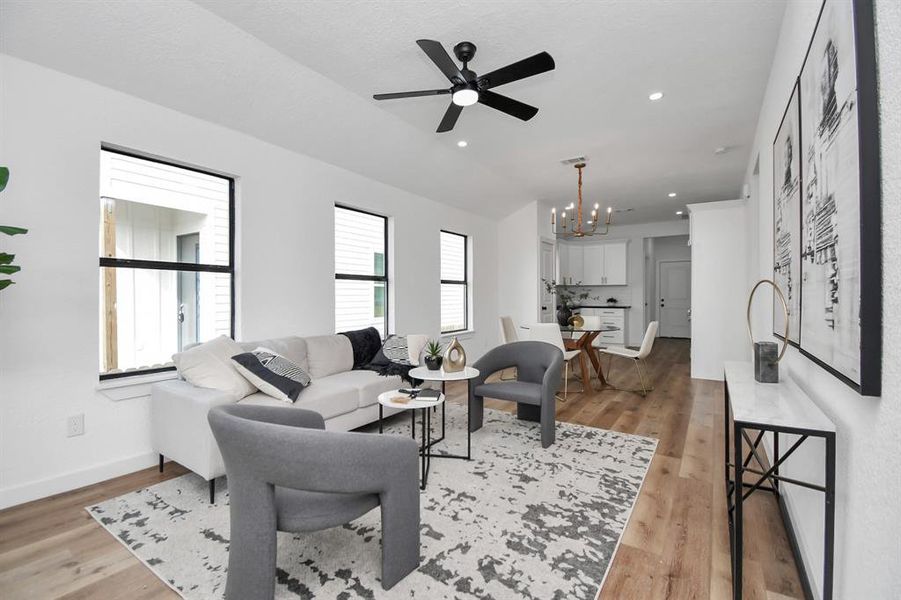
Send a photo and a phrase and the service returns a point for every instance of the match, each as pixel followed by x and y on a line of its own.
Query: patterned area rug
pixel 517 521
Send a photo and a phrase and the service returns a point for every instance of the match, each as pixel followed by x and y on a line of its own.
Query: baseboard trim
pixel 36 490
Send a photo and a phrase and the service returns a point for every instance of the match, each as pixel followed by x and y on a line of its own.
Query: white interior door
pixel 546 308
pixel 674 291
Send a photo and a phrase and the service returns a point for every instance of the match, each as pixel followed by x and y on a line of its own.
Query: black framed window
pixel 166 261
pixel 361 270
pixel 454 282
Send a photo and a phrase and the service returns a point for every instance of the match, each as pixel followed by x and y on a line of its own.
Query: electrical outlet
pixel 75 425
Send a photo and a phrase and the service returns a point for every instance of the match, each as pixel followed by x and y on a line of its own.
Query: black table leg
pixel 829 536
pixel 424 448
pixel 737 528
pixel 381 408
pixel 468 423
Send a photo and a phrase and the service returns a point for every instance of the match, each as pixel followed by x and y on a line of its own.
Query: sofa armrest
pixel 179 427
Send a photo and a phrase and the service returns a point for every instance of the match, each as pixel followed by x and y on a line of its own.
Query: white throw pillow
pixel 415 344
pixel 210 365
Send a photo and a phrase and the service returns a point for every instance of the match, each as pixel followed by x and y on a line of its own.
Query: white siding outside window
pixel 361 280
pixel 454 282
pixel 157 214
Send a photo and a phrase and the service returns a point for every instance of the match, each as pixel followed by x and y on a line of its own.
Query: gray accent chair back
pixel 538 367
pixel 286 473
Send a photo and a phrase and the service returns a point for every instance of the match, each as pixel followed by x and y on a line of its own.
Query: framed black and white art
pixel 841 253
pixel 787 220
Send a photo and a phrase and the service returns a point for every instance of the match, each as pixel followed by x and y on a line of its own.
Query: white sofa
pixel 345 398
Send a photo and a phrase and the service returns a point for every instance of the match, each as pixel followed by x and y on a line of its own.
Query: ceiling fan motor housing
pixel 465 51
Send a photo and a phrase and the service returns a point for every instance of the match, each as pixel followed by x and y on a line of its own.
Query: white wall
pixel 718 286
pixel 518 266
pixel 52 128
pixel 868 512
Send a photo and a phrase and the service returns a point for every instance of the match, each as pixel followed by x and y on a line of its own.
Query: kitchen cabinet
pixel 594 264
pixel 609 316
pixel 571 264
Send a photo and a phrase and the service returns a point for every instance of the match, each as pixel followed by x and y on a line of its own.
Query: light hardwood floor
pixel 675 545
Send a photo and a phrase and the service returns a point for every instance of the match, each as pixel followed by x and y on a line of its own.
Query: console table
pixel 779 408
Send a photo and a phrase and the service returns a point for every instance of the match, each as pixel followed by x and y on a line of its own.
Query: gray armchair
pixel 538 366
pixel 286 473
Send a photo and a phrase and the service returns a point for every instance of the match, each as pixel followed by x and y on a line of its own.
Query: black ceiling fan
pixel 467 88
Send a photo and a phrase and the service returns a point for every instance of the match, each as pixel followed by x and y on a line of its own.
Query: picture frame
pixel 841 252
pixel 787 186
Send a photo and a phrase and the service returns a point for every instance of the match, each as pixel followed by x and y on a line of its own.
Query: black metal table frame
pixel 426 444
pixel 734 501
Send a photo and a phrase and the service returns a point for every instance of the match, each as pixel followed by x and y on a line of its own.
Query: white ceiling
pixel 301 75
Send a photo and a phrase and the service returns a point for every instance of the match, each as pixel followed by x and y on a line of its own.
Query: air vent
pixel 573 160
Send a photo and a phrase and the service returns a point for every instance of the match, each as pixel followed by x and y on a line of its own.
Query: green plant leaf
pixel 9 269
pixel 6 259
pixel 4 283
pixel 4 179
pixel 10 230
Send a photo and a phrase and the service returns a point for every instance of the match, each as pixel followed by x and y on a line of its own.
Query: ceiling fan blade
pixel 512 107
pixel 527 67
pixel 450 118
pixel 396 95
pixel 442 60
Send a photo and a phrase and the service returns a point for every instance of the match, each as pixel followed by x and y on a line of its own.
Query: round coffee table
pixel 400 400
pixel 467 374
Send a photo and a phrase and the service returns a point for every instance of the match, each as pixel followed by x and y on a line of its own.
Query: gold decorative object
pixel 574 226
pixel 576 321
pixel 766 362
pixel 454 357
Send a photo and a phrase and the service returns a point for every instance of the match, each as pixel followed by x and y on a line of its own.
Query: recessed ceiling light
pixel 678 212
pixel 672 194
pixel 655 96
pixel 462 143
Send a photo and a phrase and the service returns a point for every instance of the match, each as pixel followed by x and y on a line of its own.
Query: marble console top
pixel 781 404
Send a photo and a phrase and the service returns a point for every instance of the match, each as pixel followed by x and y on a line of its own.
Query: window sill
pixel 137 386
pixel 462 335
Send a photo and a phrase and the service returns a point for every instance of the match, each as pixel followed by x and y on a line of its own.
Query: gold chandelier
pixel 574 226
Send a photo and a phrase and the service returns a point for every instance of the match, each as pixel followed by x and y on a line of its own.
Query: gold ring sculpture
pixel 784 312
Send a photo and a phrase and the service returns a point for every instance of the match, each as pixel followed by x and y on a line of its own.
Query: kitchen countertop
pixel 604 306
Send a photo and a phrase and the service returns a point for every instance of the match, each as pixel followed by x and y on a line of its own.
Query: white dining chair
pixel 509 335
pixel 636 356
pixel 550 333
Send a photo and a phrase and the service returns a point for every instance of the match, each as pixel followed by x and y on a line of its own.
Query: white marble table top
pixel 440 375
pixel 395 399
pixel 781 404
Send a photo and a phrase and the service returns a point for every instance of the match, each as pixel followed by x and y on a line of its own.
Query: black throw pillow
pixel 272 373
pixel 366 343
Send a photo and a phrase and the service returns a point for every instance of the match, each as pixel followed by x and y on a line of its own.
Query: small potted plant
pixel 568 297
pixel 433 358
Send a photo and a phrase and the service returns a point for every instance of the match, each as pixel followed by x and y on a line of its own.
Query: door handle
pixel 181 313
pixel 661 302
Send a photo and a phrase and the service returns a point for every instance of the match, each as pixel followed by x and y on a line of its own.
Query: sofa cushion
pixel 329 398
pixel 329 354
pixel 292 347
pixel 368 384
pixel 209 365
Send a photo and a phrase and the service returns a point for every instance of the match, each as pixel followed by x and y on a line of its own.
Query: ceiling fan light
pixel 465 97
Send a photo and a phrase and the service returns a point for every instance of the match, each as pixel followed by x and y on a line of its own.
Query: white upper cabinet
pixel 615 267
pixel 593 264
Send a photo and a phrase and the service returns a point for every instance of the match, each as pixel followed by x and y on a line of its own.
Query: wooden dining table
pixel 581 339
